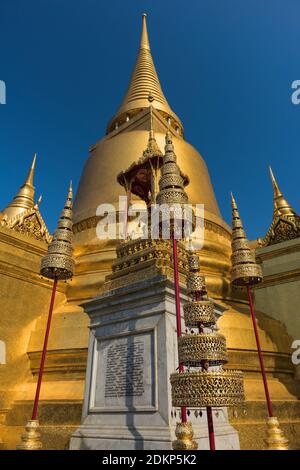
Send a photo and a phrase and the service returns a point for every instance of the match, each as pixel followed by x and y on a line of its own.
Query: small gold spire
pixel 233 203
pixel 281 206
pixel 245 271
pixel 59 262
pixel 286 223
pixel 144 82
pixel 172 181
pixel 144 36
pixel 24 199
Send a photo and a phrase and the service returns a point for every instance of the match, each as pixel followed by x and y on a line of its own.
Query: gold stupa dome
pixel 126 140
pixel 143 109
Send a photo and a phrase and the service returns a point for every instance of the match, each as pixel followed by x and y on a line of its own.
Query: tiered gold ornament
pixel 58 264
pixel 174 223
pixel 205 383
pixel 174 219
pixel 246 273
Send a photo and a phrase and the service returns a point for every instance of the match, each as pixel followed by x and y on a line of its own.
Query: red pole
pixel 261 359
pixel 210 424
pixel 178 314
pixel 43 358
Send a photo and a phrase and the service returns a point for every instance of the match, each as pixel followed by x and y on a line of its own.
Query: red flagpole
pixel 178 314
pixel 44 352
pixel 261 359
pixel 210 422
pixel 211 432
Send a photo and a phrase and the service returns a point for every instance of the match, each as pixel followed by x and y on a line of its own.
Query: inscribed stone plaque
pixel 125 372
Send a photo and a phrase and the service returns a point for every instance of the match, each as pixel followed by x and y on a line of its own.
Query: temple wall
pixel 278 295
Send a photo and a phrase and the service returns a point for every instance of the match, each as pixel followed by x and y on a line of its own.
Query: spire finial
pixel 281 205
pixel 144 82
pixel 144 36
pixel 233 203
pixel 70 194
pixel 31 172
pixel 24 199
pixel 277 191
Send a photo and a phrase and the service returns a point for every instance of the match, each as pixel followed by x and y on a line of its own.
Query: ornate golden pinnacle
pixel 58 263
pixel 172 197
pixel 31 438
pixel 184 433
pixel 245 271
pixel 286 223
pixel 206 350
pixel 275 438
pixel 172 181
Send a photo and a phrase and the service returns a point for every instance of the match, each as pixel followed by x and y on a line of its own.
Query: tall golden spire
pixel 286 223
pixel 24 199
pixel 144 82
pixel 281 206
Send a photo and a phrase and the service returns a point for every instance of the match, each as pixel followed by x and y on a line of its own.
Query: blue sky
pixel 226 67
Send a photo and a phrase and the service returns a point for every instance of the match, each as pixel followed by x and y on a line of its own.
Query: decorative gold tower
pixel 24 199
pixel 247 273
pixel 22 214
pixel 172 180
pixel 204 383
pixel 58 264
pixel 174 224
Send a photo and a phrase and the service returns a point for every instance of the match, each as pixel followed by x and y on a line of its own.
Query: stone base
pixel 93 438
